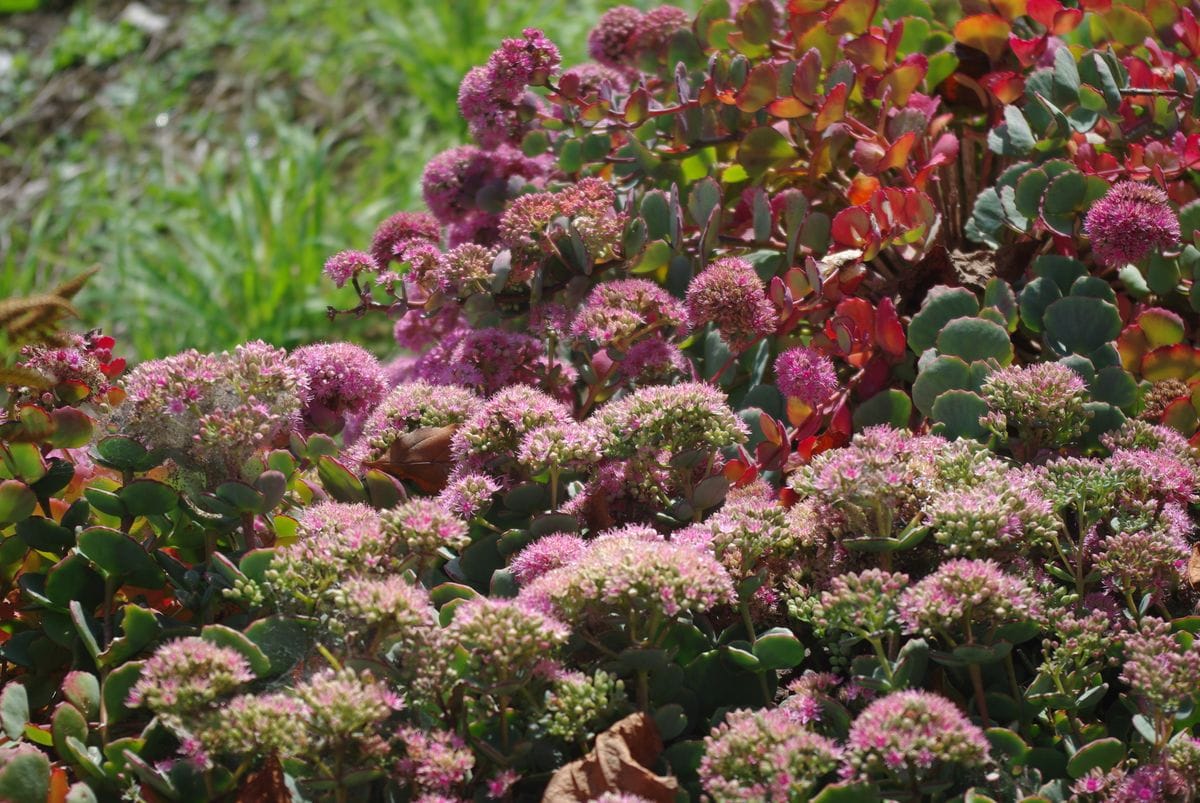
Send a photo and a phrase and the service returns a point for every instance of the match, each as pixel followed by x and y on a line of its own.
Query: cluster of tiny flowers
pixel 764 756
pixel 345 383
pixel 748 530
pixel 548 552
pixel 252 724
pixel 491 97
pixel 862 603
pixel 1145 561
pixel 346 265
pixel 1079 642
pixel 561 446
pixel 1159 669
pixel 495 430
pixel 617 313
pixel 390 601
pixel 911 736
pixel 410 406
pixel 507 639
pixel 335 540
pixel 872 480
pixel 85 362
pixel 464 270
pixel 1043 402
pixel 188 674
pixel 588 205
pixel 982 522
pixel 653 360
pixel 434 761
pixel 962 593
pixel 423 527
pixel 484 360
pixel 1078 482
pixel 1137 434
pixel 624 572
pixel 1160 396
pixel 729 295
pixel 342 703
pixel 1129 223
pixel 463 186
pixel 579 706
pixel 213 411
pixel 468 495
pixel 396 231
pixel 806 374
pixel 625 35
pixel 1156 475
pixel 677 418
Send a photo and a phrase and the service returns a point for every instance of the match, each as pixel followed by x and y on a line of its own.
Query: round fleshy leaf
pixel 1080 324
pixel 1064 198
pixel 83 690
pixel 145 497
pixel 976 339
pixel 17 502
pixel 957 414
pixel 283 640
pixel 778 648
pixel 892 407
pixel 940 375
pixel 72 428
pixel 25 776
pixel 1102 755
pixel 1116 386
pixel 1035 297
pixel 120 557
pixel 1181 415
pixel 1161 326
pixel 224 636
pixel 1180 361
pixel 940 307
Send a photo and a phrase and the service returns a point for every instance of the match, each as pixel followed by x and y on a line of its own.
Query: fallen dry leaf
pixel 421 457
pixel 1193 567
pixel 265 786
pixel 618 763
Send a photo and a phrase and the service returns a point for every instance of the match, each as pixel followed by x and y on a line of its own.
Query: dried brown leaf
pixel 421 457
pixel 618 763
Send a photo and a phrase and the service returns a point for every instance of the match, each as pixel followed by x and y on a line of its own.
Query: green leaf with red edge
pixel 1181 415
pixel 986 32
pixel 759 89
pixel 17 502
pixel 24 461
pixel 1181 361
pixel 906 78
pixel 855 227
pixel 72 428
pixel 833 110
pixel 850 16
pixel 1162 327
pixel 1126 26
pixel 763 148
pixel 807 77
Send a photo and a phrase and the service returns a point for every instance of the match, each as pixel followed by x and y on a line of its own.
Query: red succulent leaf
pixel 1028 51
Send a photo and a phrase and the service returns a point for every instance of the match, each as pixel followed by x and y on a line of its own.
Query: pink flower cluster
pixel 729 295
pixel 1131 222
pixel 493 98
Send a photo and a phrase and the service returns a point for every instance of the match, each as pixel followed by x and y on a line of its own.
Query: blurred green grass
pixel 210 168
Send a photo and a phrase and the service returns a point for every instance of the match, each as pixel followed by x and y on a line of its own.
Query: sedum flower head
pixel 912 736
pixel 1129 223
pixel 391 601
pixel 545 554
pixel 729 295
pixel 962 595
pixel 579 706
pixel 610 42
pixel 621 311
pixel 469 494
pixel 765 756
pixel 1043 402
pixel 464 270
pixel 1158 668
pixel 484 360
pixel 188 674
pixel 628 573
pixel 410 406
pixel 864 603
pixel 508 640
pixel 495 431
pixel 424 527
pixel 345 382
pixel 1141 562
pixel 256 725
pixel 987 521
pixel 399 229
pixel 653 360
pixel 458 180
pixel 345 265
pixel 1157 476
pixel 559 446
pixel 655 29
pixel 676 418
pixel 343 705
pixel 806 374
pixel 335 540
pixel 588 205
pixel 434 761
pixel 749 530
pixel 82 361
pixel 1137 434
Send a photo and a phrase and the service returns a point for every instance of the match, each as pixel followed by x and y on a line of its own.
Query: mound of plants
pixel 793 403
